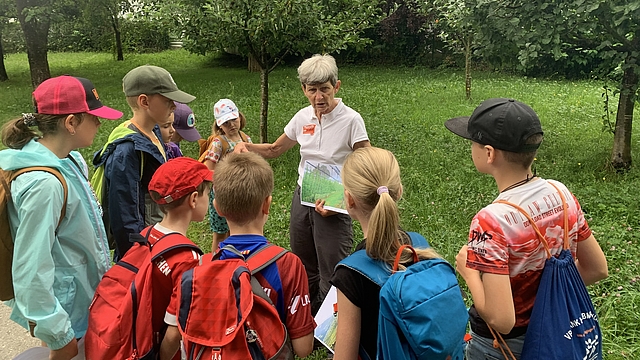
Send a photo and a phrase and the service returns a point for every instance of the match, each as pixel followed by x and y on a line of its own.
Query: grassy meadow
pixel 404 110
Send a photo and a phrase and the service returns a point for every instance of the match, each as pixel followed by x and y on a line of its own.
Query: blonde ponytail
pixel 372 176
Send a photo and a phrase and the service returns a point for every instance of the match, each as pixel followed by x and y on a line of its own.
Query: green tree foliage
pixel 268 30
pixel 402 36
pixel 35 18
pixel 578 30
pixel 456 22
pixel 112 12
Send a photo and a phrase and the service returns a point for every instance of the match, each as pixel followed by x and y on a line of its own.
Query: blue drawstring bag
pixel 563 323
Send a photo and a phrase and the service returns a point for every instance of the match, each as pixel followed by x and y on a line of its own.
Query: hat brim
pixel 190 134
pixel 459 126
pixel 226 117
pixel 179 96
pixel 106 112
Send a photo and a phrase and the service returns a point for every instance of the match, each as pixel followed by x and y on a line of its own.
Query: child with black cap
pixel 503 260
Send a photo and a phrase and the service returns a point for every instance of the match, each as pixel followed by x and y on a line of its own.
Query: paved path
pixel 13 338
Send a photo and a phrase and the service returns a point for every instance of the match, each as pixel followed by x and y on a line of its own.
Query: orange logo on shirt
pixel 309 129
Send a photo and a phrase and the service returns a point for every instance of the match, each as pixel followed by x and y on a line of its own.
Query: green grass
pixel 404 110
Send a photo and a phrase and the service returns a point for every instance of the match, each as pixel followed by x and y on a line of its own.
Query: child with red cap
pixel 60 249
pixel 181 188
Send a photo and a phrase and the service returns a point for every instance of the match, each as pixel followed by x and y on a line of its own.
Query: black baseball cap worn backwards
pixel 505 124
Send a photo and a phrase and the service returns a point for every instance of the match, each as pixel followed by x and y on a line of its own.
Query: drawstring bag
pixel 563 324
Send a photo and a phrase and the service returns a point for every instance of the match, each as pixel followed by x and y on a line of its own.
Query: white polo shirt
pixel 329 142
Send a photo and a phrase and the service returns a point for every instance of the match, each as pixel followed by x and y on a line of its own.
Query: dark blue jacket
pixel 129 159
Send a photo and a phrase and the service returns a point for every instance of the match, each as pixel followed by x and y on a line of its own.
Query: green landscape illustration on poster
pixel 322 181
pixel 327 320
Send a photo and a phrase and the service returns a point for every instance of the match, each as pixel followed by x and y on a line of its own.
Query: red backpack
pixel 120 315
pixel 224 313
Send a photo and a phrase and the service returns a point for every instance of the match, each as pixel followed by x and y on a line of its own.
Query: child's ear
pixel 193 199
pixel 351 203
pixel 491 154
pixel 70 123
pixel 215 206
pixel 266 205
pixel 143 101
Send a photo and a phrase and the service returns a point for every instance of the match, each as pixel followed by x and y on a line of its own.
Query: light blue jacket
pixel 55 274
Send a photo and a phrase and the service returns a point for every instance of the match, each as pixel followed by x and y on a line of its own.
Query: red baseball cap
pixel 64 95
pixel 179 177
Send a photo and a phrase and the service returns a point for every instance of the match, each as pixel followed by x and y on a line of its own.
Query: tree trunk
pixel 264 104
pixel 621 154
pixel 116 30
pixel 36 32
pixel 3 70
pixel 253 65
pixel 467 67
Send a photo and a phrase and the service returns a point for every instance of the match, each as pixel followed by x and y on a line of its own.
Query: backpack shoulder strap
pixel 53 172
pixel 244 136
pixel 535 228
pixel 263 257
pixel 224 144
pixel 171 242
pixel 374 270
pixel 258 261
pixel 417 240
pixel 204 147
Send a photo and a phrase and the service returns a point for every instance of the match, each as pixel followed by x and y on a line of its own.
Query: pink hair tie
pixel 382 189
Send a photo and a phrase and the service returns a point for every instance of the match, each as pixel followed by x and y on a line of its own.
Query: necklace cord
pixel 518 183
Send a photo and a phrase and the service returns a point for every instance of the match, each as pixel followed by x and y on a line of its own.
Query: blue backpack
pixel 563 323
pixel 422 313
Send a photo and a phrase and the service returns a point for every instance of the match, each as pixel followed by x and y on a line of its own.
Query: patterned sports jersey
pixel 501 240
pixel 166 276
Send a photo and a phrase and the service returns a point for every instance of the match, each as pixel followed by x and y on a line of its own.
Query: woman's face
pixel 321 96
pixel 86 130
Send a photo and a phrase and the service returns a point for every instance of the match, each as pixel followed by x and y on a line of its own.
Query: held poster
pixel 322 181
pixel 327 320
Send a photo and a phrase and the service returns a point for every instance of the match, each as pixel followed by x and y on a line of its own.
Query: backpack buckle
pixel 216 354
pixel 251 336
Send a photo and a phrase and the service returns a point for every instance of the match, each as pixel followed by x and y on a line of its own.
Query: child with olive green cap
pixel 132 154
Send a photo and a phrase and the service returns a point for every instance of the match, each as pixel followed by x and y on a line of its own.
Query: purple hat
pixel 185 122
